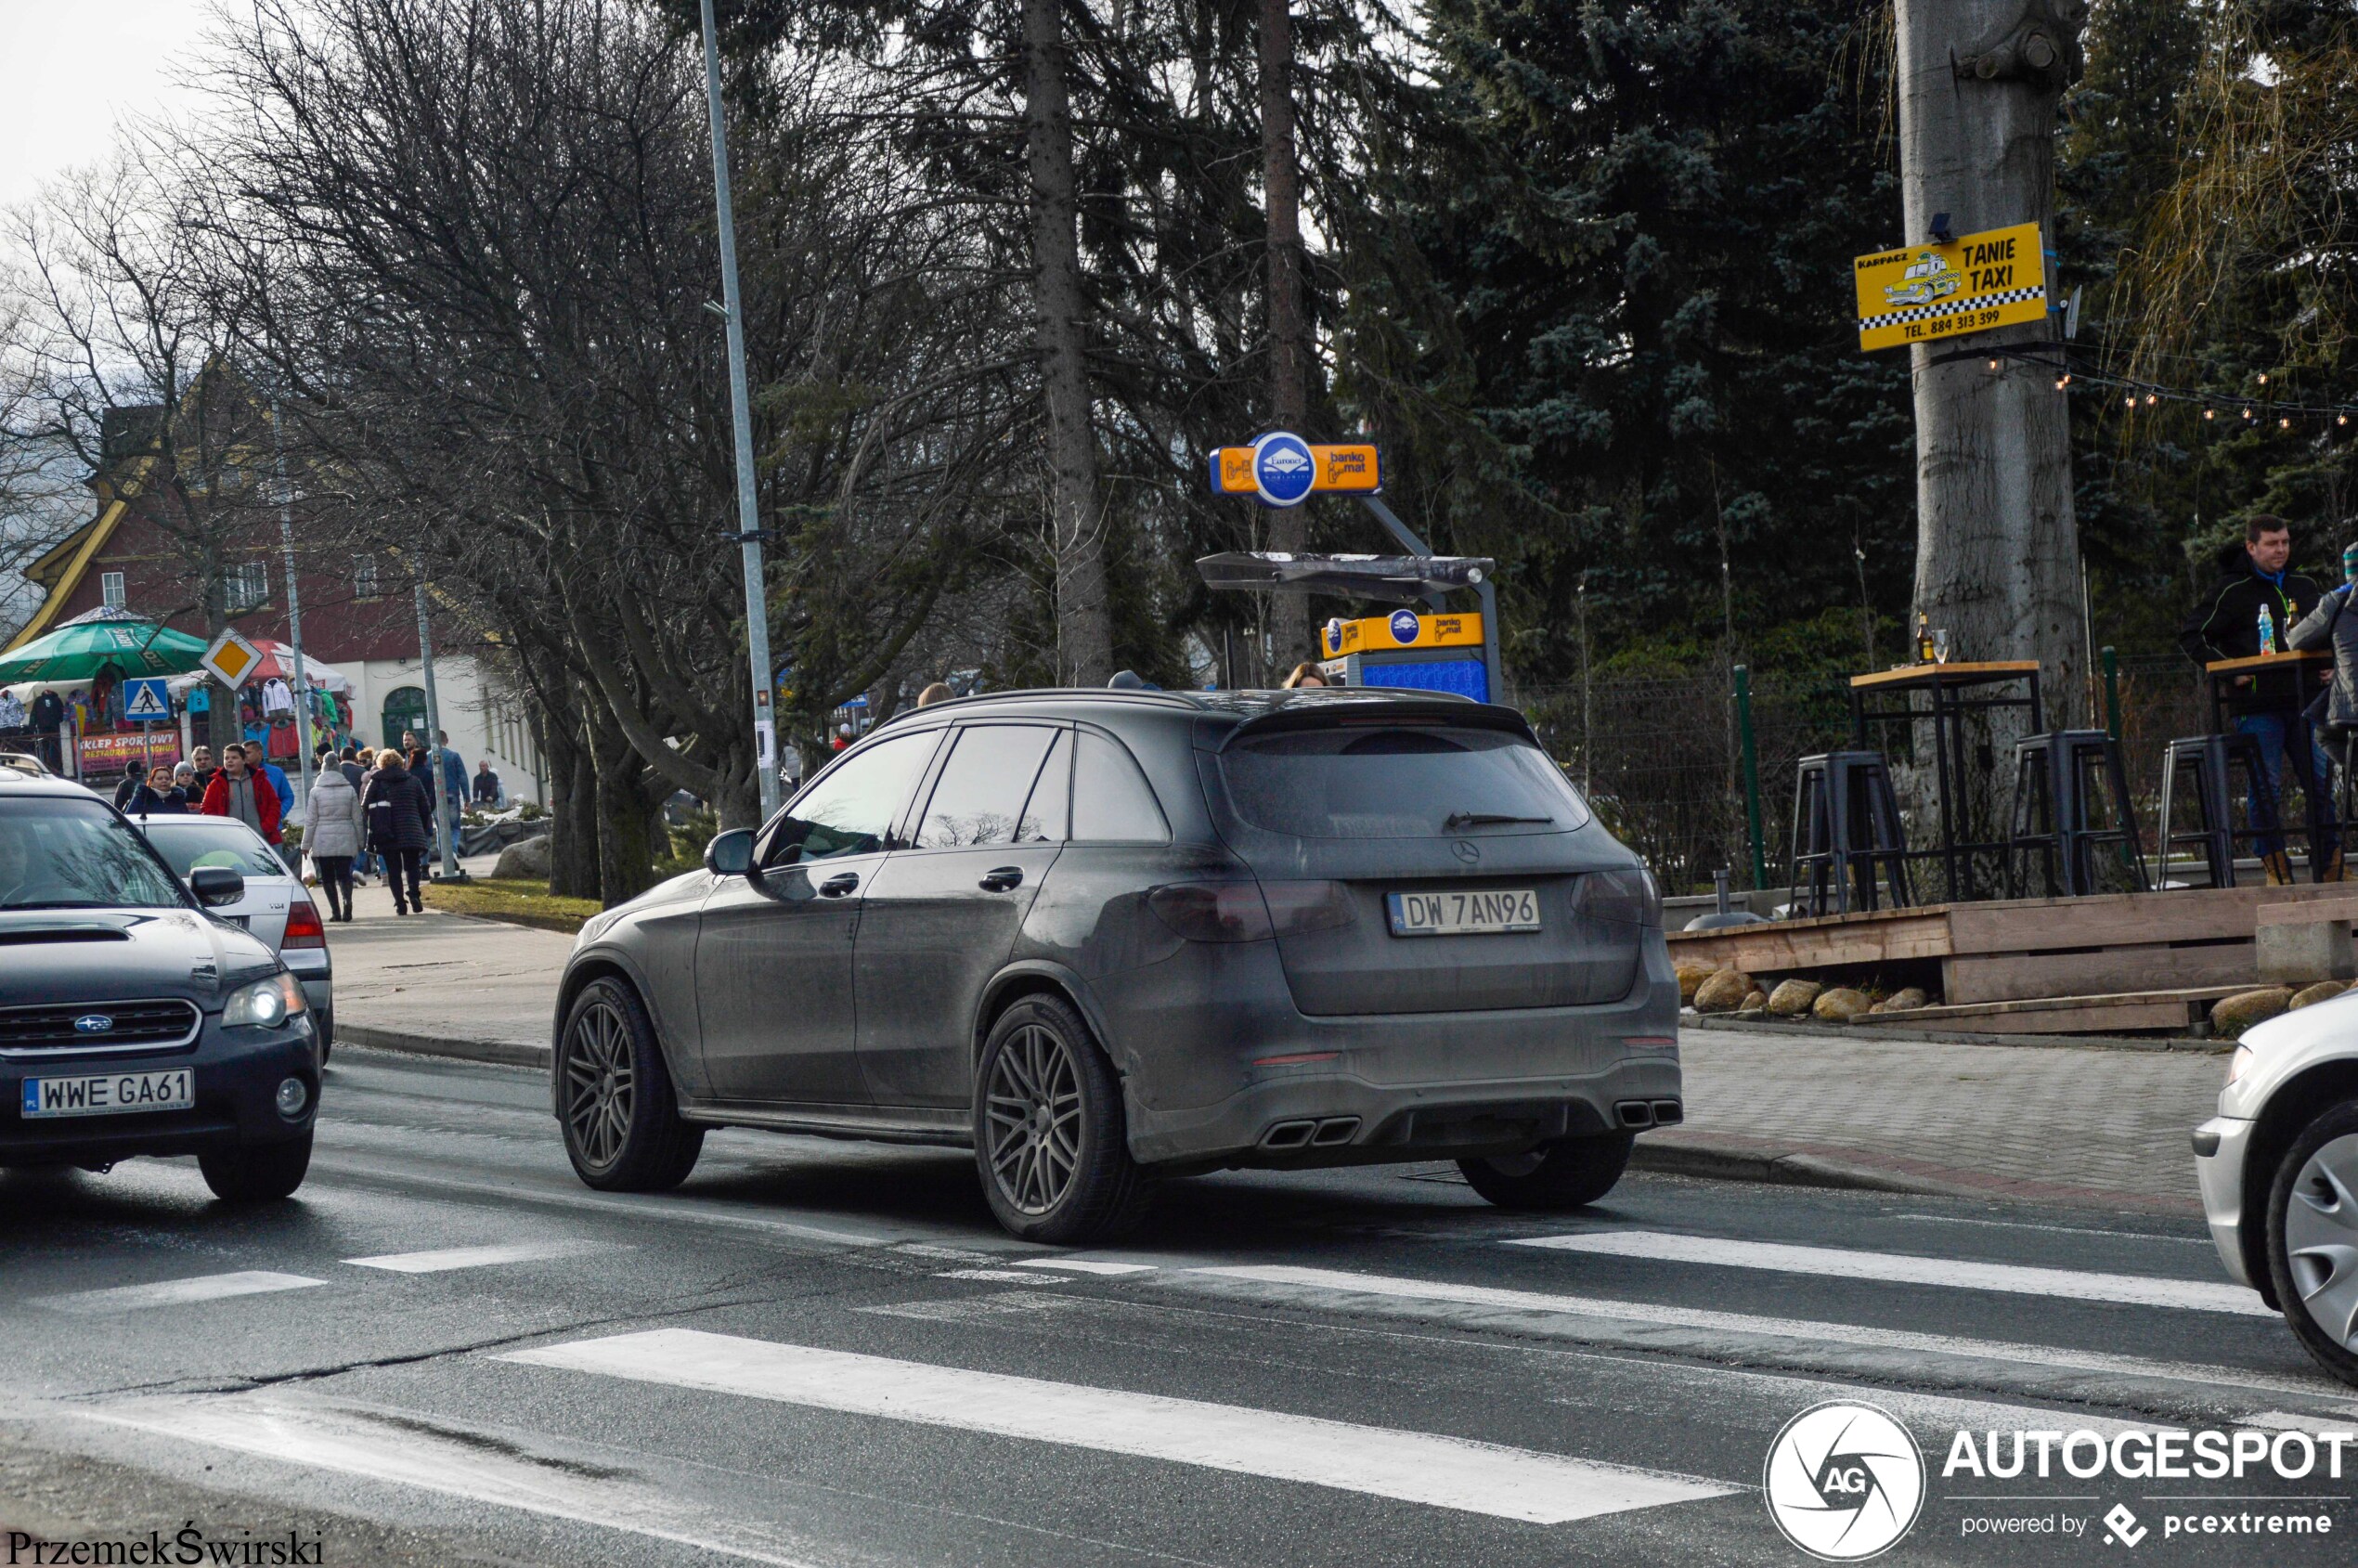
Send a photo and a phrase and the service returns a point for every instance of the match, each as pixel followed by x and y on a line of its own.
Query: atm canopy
pixel 1398 578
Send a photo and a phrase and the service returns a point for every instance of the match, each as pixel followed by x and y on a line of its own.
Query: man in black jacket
pixel 2267 706
pixel 48 712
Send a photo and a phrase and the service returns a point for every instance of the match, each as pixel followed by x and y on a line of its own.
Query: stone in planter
pixel 2230 1016
pixel 527 861
pixel 1756 1001
pixel 1723 992
pixel 1791 998
pixel 1690 978
pixel 1905 1000
pixel 2323 990
pixel 1840 1004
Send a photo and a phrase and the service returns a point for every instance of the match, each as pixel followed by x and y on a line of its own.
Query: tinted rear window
pixel 1359 783
pixel 216 842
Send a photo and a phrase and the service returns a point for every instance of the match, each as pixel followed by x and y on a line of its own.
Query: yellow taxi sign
pixel 1349 469
pixel 1922 293
pixel 1402 629
pixel 230 658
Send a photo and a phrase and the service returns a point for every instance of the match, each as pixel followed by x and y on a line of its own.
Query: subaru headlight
pixel 267 1003
pixel 2238 1063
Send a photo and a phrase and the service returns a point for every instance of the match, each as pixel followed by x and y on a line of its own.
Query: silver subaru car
pixel 1107 938
pixel 2279 1170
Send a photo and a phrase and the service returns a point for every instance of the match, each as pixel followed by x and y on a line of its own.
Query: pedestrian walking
pixel 399 812
pixel 202 769
pixel 135 773
pixel 237 791
pixel 157 795
pixel 333 829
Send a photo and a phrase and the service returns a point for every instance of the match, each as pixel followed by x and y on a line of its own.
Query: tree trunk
pixel 1997 553
pixel 1084 636
pixel 573 806
pixel 626 799
pixel 1288 348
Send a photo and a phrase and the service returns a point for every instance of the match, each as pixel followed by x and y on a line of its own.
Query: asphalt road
pixel 445 1350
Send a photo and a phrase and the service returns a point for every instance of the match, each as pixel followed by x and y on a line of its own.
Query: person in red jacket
pixel 237 790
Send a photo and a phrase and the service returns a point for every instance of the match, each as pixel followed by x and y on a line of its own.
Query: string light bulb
pixel 2129 402
pixel 2341 418
pixel 2264 378
pixel 2284 425
pixel 1993 364
pixel 2151 399
pixel 2247 413
pixel 2210 413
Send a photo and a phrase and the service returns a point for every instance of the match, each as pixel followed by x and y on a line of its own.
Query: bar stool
pixel 2057 777
pixel 1846 823
pixel 2204 762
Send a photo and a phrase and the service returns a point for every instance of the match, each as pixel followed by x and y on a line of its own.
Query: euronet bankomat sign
pixel 1845 1481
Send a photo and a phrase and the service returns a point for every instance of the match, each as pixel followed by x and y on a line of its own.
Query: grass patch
pixel 518 901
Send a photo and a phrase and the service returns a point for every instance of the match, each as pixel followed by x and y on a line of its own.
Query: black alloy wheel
pixel 623 1130
pixel 1049 1134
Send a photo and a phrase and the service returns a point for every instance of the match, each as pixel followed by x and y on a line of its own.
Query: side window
pixel 1048 814
pixel 1111 801
pixel 851 812
pixel 980 795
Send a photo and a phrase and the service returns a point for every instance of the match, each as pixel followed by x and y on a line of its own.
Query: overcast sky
pixel 73 67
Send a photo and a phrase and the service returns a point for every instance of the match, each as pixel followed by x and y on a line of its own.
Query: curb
pixel 1741 1160
pixel 1724 1023
pixel 503 1053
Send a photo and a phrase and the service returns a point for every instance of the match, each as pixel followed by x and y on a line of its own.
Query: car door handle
pixel 999 880
pixel 836 886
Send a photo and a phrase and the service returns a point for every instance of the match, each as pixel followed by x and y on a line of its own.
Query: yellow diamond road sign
pixel 1922 293
pixel 231 658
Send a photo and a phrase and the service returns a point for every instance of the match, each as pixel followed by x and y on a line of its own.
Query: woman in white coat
pixel 332 836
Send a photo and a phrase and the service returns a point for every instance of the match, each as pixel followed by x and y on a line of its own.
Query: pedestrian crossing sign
pixel 147 699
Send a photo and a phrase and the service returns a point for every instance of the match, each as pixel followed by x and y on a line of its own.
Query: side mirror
pixel 729 853
pixel 216 885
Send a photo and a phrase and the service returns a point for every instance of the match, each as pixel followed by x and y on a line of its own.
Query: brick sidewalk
pixel 2058 1122
pixel 2069 1124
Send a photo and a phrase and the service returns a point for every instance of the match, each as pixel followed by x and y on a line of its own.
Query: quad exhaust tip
pixel 1334 1132
pixel 1650 1113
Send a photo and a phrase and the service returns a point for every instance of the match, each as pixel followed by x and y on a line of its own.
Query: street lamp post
pixel 442 824
pixel 294 627
pixel 765 728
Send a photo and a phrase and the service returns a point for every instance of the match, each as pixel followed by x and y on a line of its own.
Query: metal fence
pixel 1660 757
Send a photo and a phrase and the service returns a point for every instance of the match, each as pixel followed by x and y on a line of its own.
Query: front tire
pixel 1050 1140
pixel 1568 1173
pixel 2313 1239
pixel 621 1118
pixel 257 1172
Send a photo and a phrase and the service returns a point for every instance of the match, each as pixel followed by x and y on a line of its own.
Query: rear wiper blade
pixel 1486 819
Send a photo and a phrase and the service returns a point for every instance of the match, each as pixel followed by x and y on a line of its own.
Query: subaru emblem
pixel 93 1023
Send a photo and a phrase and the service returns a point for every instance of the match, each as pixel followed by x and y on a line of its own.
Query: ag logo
pixel 1844 1481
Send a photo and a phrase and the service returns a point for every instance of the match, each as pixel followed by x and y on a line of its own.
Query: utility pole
pixel 1289 352
pixel 443 828
pixel 732 310
pixel 294 625
pixel 1996 545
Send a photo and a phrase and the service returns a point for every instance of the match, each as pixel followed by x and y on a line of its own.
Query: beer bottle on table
pixel 1924 638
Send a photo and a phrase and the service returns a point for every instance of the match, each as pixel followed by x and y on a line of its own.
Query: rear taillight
pixel 1627 897
pixel 303 926
pixel 1307 906
pixel 1211 912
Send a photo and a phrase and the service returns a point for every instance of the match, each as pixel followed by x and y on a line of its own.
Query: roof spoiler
pixel 1336 711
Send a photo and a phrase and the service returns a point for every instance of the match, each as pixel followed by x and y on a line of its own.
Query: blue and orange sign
pixel 1281 469
pixel 1402 629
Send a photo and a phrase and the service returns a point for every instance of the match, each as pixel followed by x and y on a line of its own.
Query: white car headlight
pixel 2238 1062
pixel 268 1001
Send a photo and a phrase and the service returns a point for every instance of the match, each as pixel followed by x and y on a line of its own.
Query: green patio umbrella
pixel 79 649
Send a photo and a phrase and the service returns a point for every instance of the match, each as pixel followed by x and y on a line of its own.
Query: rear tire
pixel 1051 1143
pixel 2313 1239
pixel 621 1118
pixel 1567 1173
pixel 257 1172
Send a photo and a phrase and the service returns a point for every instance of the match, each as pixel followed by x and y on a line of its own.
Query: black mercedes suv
pixel 133 1021
pixel 1105 937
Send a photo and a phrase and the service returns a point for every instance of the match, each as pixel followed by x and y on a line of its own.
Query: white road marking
pixel 1085 1265
pixel 351 1443
pixel 1606 1308
pixel 174 1292
pixel 1413 1467
pixel 1900 1268
pixel 1002 1276
pixel 449 1258
pixel 2067 1230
